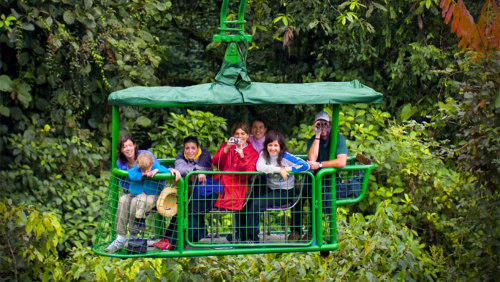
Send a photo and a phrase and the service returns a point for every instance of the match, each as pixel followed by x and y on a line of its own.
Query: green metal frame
pixel 317 210
pixel 233 35
pixel 279 245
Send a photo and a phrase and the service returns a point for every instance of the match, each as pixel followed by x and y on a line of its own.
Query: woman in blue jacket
pixel 140 195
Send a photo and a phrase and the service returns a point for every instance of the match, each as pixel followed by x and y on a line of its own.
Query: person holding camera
pixel 237 154
pixel 318 157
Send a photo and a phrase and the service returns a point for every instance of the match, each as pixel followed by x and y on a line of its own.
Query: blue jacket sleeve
pixel 135 174
pixel 299 165
pixel 160 168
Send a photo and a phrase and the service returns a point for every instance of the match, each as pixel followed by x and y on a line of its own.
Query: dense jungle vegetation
pixel 431 212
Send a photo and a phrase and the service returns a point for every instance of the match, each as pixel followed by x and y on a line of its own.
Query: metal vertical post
pixel 114 180
pixel 333 155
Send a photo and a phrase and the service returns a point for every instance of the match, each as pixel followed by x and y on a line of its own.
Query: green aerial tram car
pixel 316 210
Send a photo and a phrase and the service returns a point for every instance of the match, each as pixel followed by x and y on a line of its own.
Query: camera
pixel 321 123
pixel 235 140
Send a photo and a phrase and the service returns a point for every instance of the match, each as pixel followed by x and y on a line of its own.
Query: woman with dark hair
pixel 127 153
pixel 139 195
pixel 193 157
pixel 237 154
pixel 277 163
pixel 258 135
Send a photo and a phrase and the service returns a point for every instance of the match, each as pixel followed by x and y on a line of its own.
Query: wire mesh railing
pixel 226 213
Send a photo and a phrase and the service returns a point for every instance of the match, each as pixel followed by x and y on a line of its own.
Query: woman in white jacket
pixel 275 161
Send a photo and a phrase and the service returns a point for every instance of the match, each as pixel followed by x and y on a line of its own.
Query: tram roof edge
pixel 217 93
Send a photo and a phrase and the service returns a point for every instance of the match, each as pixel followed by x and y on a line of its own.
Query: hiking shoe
pixel 164 244
pixel 115 246
pixel 294 236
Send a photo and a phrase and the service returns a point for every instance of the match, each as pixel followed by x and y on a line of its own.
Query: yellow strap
pixel 195 157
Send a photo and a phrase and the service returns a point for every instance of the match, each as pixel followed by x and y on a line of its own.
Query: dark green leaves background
pixel 432 206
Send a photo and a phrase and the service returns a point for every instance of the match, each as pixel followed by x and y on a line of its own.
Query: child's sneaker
pixel 115 246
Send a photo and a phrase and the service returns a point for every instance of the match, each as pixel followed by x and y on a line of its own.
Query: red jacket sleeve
pixel 220 158
pixel 249 162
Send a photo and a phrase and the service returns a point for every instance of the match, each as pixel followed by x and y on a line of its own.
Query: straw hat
pixel 166 204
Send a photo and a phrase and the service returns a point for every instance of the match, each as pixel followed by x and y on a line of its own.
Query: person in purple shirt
pixel 258 135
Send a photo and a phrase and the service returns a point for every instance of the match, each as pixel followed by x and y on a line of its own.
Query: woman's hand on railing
pixel 284 173
pixel 202 178
pixel 175 173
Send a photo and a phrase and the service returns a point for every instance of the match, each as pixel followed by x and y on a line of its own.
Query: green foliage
pixel 208 128
pixel 301 134
pixel 60 59
pixel 376 247
pixel 57 60
pixel 29 243
pixel 63 174
pixel 452 213
pixel 474 115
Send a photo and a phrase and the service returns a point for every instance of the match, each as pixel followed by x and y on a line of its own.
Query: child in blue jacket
pixel 141 198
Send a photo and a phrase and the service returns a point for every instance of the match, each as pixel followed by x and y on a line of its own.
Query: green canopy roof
pixel 255 93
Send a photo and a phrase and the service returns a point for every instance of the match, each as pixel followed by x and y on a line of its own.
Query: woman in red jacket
pixel 237 154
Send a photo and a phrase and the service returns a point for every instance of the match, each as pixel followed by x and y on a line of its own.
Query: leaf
pixel 497 99
pixel 4 111
pixel 100 273
pixel 49 21
pixel 28 26
pixel 399 190
pixel 380 6
pixel 23 93
pixel 93 123
pixel 146 36
pixel 5 83
pixel 143 121
pixel 69 17
pixel 39 229
pixel 407 111
pixel 88 3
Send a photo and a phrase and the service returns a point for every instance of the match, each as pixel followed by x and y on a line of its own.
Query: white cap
pixel 322 115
